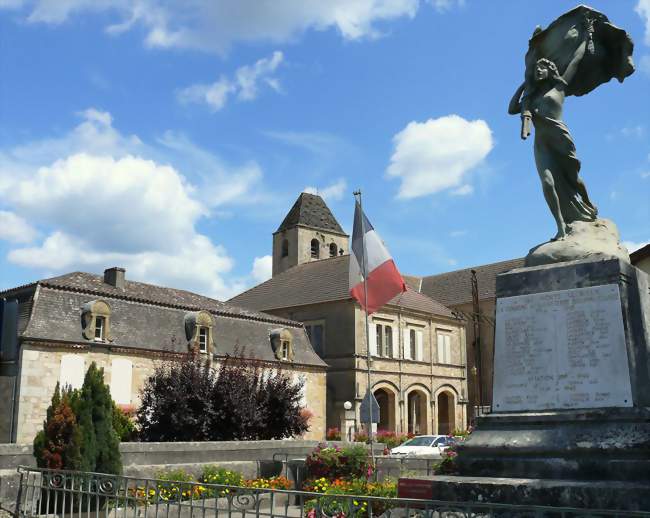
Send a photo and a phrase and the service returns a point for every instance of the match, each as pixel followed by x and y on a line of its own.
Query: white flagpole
pixel 364 272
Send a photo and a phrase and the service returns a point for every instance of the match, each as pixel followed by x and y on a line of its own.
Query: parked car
pixel 424 445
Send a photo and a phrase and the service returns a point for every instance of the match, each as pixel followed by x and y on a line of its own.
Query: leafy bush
pixel 58 445
pixel 361 437
pixel 332 506
pixel 278 482
pixel 391 439
pixel 124 425
pixel 188 401
pixel 336 462
pixel 333 434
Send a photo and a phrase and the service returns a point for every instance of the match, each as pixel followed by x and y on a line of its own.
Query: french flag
pixel 383 281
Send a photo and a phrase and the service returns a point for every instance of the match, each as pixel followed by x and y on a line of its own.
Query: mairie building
pixel 417 345
pixel 51 330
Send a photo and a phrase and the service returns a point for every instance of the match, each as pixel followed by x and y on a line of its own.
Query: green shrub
pixel 100 445
pixel 58 445
pixel 336 462
pixel 124 425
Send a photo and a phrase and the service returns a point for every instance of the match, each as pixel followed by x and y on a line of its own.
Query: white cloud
pixel 438 154
pixel 643 10
pixel 245 85
pixel 103 198
pixel 215 25
pixel 463 190
pixel 633 246
pixel 262 268
pixel 458 233
pixel 331 192
pixel 15 229
pixel 644 64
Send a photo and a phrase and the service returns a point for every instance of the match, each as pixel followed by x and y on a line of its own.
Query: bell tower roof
pixel 311 211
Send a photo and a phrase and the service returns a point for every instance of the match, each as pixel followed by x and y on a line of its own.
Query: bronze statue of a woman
pixel 555 153
pixel 575 54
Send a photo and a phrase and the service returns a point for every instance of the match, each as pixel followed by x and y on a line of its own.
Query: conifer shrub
pixel 187 400
pixel 58 445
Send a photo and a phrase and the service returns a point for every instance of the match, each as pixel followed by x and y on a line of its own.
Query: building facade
pixel 417 345
pixel 51 331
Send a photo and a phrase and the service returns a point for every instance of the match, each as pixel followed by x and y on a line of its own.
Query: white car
pixel 432 445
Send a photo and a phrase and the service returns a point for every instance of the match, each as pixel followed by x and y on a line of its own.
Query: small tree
pixel 100 446
pixel 186 401
pixel 58 445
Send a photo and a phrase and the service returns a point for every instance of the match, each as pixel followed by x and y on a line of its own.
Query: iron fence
pixel 68 494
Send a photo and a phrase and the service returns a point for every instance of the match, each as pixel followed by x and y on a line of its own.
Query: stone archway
pixel 446 413
pixel 386 400
pixel 416 411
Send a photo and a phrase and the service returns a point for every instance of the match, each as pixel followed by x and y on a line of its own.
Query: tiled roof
pixel 639 254
pixel 311 211
pixel 453 288
pixel 149 293
pixel 322 281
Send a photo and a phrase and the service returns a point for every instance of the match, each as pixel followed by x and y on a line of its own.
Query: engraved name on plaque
pixel 561 350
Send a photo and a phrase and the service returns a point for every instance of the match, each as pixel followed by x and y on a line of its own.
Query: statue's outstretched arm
pixel 515 103
pixel 572 67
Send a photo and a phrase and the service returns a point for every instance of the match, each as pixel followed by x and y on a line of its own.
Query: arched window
pixel 285 248
pixel 282 344
pixel 333 249
pixel 315 249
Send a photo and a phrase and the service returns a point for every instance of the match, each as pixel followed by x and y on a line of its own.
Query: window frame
pixel 203 339
pixel 334 250
pixel 100 325
pixel 285 345
pixel 310 327
pixel 284 251
pixel 445 357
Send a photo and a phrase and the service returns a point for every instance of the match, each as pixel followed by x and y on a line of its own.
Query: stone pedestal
pixel 571 377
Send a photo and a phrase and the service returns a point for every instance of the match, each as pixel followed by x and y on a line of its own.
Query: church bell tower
pixel 309 232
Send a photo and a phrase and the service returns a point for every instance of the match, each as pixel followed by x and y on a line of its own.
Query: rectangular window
pixel 380 341
pixel 388 341
pixel 285 350
pixel 412 345
pixel 100 325
pixel 444 348
pixel 203 339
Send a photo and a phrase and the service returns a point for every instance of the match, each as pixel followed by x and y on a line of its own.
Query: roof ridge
pixel 475 267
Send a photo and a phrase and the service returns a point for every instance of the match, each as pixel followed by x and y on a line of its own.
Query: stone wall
pixel 41 369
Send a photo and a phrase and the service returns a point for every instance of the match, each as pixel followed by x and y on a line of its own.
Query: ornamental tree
pixel 186 400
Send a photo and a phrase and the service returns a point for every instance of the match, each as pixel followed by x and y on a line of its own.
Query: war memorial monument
pixel 570 421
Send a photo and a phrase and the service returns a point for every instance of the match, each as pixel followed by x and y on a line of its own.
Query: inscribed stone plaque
pixel 561 350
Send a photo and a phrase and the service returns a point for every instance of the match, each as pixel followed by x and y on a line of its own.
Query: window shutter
pixel 441 348
pixel 72 371
pixel 447 348
pixel 121 380
pixel 395 330
pixel 407 344
pixel 372 339
pixel 419 347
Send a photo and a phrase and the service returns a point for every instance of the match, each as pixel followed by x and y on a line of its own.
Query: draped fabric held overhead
pixel 608 55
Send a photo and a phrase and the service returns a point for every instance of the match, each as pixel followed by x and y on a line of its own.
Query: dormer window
pixel 199 330
pixel 204 333
pixel 96 321
pixel 315 249
pixel 333 250
pixel 282 344
pixel 100 327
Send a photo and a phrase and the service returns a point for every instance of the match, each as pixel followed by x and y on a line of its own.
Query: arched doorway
pixel 417 412
pixel 446 413
pixel 386 400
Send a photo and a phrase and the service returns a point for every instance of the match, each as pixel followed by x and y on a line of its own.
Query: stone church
pixel 417 345
pixel 52 329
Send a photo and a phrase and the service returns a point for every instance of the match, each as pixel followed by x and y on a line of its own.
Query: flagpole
pixel 364 271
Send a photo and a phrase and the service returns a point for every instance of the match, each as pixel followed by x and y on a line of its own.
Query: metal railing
pixel 70 494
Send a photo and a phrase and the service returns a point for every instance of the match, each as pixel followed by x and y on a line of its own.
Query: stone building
pixel 641 258
pixel 454 290
pixel 51 330
pixel 418 370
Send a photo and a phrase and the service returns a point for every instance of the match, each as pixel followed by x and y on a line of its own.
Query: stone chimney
pixel 115 277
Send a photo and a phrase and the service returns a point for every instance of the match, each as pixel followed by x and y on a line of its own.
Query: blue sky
pixel 171 137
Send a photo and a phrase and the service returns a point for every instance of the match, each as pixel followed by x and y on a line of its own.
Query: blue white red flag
pixel 383 279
